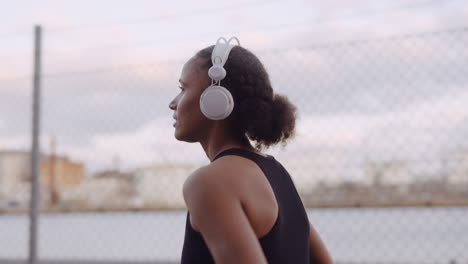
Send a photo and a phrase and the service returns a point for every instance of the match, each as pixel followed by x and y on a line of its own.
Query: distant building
pixel 106 190
pixel 458 170
pixel 389 173
pixel 14 170
pixel 161 185
pixel 67 173
pixel 15 174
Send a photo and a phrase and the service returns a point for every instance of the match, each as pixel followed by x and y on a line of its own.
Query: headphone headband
pixel 221 51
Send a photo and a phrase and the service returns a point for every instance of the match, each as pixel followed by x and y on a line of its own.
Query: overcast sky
pixel 369 78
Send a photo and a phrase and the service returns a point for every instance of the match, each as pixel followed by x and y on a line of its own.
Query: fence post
pixel 35 153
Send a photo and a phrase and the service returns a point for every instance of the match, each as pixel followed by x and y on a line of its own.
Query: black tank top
pixel 286 242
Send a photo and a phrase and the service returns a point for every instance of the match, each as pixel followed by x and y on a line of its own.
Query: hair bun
pixel 267 122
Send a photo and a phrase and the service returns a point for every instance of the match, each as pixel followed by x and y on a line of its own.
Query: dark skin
pixel 230 201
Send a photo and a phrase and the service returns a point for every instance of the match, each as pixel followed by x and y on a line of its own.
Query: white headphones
pixel 216 102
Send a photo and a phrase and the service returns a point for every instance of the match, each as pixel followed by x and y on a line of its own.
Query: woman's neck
pixel 221 138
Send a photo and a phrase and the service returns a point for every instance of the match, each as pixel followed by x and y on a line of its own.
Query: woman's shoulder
pixel 223 175
pixel 201 178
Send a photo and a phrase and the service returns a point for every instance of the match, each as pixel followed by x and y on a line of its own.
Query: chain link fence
pixel 380 157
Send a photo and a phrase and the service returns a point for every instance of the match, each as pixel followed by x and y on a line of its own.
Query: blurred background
pixel 381 153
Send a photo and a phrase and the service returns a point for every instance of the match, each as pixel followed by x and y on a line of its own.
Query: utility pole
pixel 35 153
pixel 52 171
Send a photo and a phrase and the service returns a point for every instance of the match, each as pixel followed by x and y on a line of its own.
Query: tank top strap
pixel 238 152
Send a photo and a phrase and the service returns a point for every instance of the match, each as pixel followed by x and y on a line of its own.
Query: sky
pixel 373 80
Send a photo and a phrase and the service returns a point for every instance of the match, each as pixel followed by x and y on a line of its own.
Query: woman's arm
pixel 217 213
pixel 318 252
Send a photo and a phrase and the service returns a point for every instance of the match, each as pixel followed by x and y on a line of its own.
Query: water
pixel 412 235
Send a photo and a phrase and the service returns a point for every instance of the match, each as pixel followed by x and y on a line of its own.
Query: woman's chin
pixel 185 138
pixel 179 136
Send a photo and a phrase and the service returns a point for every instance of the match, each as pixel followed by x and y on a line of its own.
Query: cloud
pixel 153 142
pixel 336 147
pixel 18 142
pixel 338 138
pixel 376 97
pixel 434 117
pixel 342 106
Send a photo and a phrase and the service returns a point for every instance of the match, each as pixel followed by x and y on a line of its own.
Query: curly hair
pixel 260 114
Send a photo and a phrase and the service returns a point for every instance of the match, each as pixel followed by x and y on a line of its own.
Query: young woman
pixel 243 207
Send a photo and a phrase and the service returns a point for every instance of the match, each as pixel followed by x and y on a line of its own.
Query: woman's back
pixel 287 237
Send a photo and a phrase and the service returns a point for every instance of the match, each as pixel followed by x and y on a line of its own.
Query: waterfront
pixel 372 235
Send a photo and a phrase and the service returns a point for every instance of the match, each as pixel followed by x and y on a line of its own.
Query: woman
pixel 243 207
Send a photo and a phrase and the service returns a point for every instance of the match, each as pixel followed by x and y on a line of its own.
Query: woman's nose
pixel 173 104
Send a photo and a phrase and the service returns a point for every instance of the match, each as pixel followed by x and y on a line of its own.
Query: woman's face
pixel 189 120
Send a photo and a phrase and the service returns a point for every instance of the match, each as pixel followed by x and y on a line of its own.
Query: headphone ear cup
pixel 216 103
